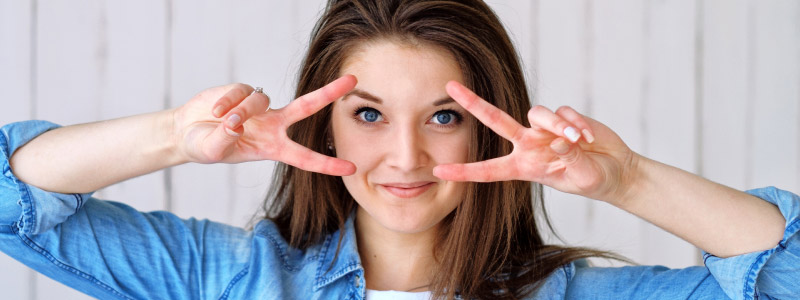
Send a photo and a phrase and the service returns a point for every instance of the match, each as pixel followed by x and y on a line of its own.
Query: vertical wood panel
pixel 134 84
pixel 669 110
pixel 616 87
pixel 516 17
pixel 725 89
pixel 562 63
pixel 15 82
pixel 201 58
pixel 270 59
pixel 775 106
pixel 71 58
pixel 15 60
pixel 70 61
pixel 262 43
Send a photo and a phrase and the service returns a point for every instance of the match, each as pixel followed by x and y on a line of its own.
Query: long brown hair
pixel 492 240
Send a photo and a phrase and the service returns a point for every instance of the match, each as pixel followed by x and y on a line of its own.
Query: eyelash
pixel 361 109
pixel 458 117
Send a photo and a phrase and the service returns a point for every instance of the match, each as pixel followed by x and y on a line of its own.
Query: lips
pixel 407 190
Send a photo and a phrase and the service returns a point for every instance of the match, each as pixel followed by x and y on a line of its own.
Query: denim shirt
pixel 112 251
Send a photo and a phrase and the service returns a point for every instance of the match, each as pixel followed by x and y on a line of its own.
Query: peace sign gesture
pixel 232 124
pixel 551 152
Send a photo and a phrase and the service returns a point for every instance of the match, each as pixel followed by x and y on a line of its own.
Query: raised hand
pixel 231 124
pixel 565 150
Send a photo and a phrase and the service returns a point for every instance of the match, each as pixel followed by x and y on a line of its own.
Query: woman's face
pixel 395 126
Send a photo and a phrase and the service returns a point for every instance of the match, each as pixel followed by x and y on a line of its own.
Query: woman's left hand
pixel 596 164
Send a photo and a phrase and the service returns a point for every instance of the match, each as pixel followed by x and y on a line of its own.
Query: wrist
pixel 634 180
pixel 168 139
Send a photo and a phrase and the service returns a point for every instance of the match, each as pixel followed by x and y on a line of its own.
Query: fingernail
pixel 572 134
pixel 231 132
pixel 233 120
pixel 560 147
pixel 217 111
pixel 588 136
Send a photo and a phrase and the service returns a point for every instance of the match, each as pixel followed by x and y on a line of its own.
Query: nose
pixel 408 150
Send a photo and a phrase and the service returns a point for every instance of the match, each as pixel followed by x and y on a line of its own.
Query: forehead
pixel 403 69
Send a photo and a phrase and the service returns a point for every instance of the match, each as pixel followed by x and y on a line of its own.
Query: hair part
pixel 491 240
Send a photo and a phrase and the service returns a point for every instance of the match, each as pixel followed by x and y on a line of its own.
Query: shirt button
pixel 358 281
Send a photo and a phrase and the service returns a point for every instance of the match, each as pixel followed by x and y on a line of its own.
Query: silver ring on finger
pixel 258 89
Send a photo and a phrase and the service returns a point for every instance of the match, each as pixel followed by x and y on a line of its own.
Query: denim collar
pixel 346 262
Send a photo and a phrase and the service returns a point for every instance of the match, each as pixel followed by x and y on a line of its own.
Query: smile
pixel 407 190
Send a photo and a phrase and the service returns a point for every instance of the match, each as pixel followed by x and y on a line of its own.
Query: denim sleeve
pixel 769 274
pixel 14 209
pixel 642 282
pixel 109 250
pixel 773 273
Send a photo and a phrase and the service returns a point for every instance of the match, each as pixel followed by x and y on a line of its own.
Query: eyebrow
pixel 370 97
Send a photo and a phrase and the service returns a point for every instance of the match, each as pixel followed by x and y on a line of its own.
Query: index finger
pixel 495 169
pixel 494 118
pixel 306 159
pixel 310 103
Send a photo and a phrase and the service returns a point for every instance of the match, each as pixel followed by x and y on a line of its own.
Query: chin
pixel 404 220
pixel 409 225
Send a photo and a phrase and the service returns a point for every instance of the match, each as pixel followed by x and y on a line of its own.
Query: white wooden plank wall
pixel 710 86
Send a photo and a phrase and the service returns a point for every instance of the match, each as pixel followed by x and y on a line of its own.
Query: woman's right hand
pixel 231 124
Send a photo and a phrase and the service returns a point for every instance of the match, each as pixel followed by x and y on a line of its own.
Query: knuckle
pixel 536 111
pixel 560 124
pixel 494 115
pixel 532 114
pixel 326 91
pixel 241 90
pixel 539 109
pixel 238 111
pixel 241 87
pixel 475 100
pixel 225 100
pixel 521 135
pixel 245 110
pixel 563 109
pixel 306 106
pixel 470 100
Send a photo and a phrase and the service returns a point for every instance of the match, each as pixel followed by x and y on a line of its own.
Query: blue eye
pixel 446 117
pixel 443 118
pixel 369 115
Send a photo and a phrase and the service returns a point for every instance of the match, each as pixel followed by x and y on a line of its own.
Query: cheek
pixel 359 148
pixel 450 148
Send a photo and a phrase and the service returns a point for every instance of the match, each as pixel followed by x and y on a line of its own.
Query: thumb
pixel 567 152
pixel 582 173
pixel 217 145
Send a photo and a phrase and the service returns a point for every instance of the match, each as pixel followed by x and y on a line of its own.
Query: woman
pixel 419 178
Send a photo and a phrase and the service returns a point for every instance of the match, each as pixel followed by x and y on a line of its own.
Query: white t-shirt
pixel 396 295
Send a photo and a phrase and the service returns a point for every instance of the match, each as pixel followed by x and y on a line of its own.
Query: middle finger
pixel 309 160
pixel 310 103
pixel 491 116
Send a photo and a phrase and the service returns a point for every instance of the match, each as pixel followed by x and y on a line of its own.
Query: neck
pixel 394 260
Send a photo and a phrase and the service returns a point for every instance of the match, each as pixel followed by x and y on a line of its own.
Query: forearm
pixel 86 157
pixel 718 219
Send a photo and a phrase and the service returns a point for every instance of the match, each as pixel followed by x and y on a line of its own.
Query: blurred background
pixel 710 86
